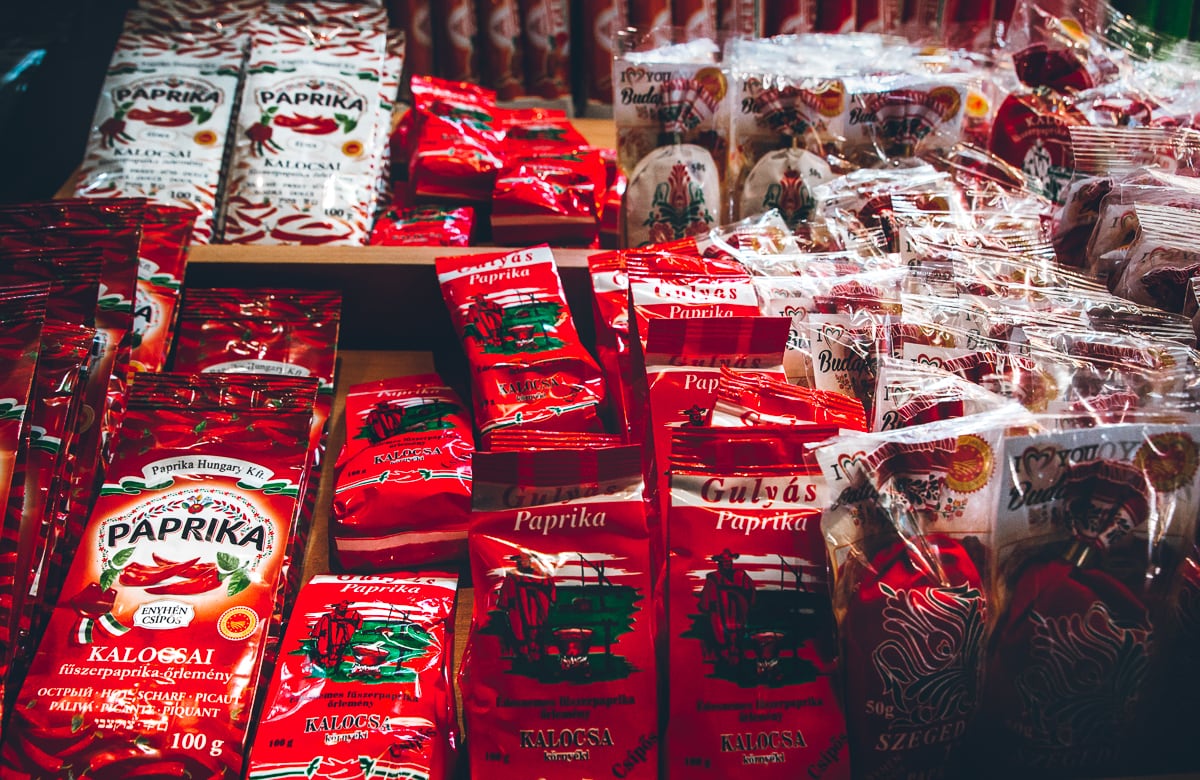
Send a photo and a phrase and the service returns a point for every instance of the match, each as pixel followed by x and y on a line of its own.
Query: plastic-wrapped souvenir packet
pixel 896 116
pixel 1090 529
pixel 912 393
pixel 781 127
pixel 1161 258
pixel 669 104
pixel 909 530
pixel 752 398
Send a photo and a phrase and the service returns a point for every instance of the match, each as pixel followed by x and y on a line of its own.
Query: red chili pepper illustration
pixel 137 575
pixel 310 125
pixel 204 579
pixel 160 118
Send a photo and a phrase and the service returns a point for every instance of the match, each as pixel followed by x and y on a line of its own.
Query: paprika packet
pixel 909 527
pixel 751 630
pixel 601 20
pixel 270 333
pixel 162 260
pixel 167 603
pixel 1091 529
pixel 424 227
pixel 456 46
pixel 162 124
pixel 306 158
pixel 23 316
pixel 457 145
pixel 381 644
pixel 547 48
pixel 503 47
pixel 558 679
pixel 402 484
pixel 528 366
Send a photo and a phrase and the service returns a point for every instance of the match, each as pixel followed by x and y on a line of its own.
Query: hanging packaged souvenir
pixel 547 48
pixel 750 624
pixel 309 136
pixel 162 124
pixel 753 399
pixel 382 643
pixel 772 109
pixel 668 113
pixel 1092 526
pixel 897 116
pixel 503 49
pixel 909 528
pixel 558 680
pixel 528 366
pixel 1032 132
pixel 167 602
pixel 914 393
pixel 402 484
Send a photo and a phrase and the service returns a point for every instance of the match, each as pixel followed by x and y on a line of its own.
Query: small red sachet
pixel 402 490
pixel 528 366
pixel 382 643
pixel 424 227
pixel 558 680
pixel 456 143
pixel 162 259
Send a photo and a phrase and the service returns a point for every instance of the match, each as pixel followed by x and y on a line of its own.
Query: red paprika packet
pixel 456 144
pixel 382 641
pixel 424 227
pixel 62 365
pixel 162 259
pixel 751 628
pixel 402 484
pixel 558 680
pixel 528 366
pixel 601 20
pixel 504 439
pixel 1092 527
pixel 166 605
pixel 22 317
pixel 270 333
pixel 697 18
pixel 753 399
pixel 909 528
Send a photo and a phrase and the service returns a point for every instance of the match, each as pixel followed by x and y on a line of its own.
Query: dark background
pixel 45 116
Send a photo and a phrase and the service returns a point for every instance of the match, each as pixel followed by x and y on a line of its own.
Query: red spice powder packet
pixel 402 485
pixel 697 18
pixel 504 439
pixel 456 145
pixel 751 629
pixel 22 317
pixel 558 680
pixel 162 260
pixel 424 227
pixel 601 19
pixel 269 333
pixel 553 196
pixel 54 415
pixel 528 366
pixel 789 17
pixel 166 606
pixel 363 689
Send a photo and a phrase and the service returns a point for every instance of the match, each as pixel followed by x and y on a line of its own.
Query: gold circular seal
pixel 237 623
pixel 1169 460
pixel 971 466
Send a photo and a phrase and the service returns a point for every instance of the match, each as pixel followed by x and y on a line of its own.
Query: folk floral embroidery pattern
pixel 791 197
pixel 678 209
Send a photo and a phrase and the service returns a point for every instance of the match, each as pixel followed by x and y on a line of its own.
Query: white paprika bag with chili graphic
pixel 383 644
pixel 162 123
pixel 559 679
pixel 310 129
pixel 165 608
